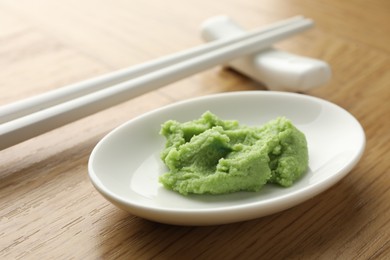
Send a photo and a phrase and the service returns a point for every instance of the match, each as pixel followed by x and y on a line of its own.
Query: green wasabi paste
pixel 213 156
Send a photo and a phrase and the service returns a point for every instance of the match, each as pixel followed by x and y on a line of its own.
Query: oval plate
pixel 125 165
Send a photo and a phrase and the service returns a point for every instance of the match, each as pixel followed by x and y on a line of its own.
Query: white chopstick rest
pixel 278 70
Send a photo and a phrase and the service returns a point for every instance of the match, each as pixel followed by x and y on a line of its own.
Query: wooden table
pixel 50 210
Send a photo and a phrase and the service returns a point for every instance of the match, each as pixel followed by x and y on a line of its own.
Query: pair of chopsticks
pixel 28 118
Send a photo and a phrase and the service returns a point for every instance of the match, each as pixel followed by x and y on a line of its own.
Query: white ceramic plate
pixel 125 165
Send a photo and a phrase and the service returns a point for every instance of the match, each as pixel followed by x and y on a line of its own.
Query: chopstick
pixel 39 102
pixel 28 118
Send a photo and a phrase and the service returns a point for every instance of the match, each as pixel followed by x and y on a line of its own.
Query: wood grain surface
pixel 50 210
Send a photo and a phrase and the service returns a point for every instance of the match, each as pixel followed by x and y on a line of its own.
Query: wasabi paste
pixel 213 156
